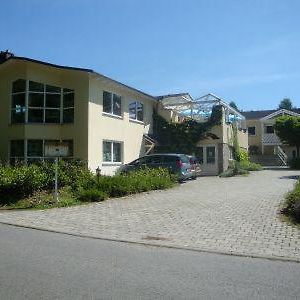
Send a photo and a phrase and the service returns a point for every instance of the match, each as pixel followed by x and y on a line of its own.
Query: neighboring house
pixel 100 120
pixel 263 141
pixel 216 150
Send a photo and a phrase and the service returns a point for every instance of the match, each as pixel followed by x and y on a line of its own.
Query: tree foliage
pixel 288 130
pixel 183 137
pixel 286 103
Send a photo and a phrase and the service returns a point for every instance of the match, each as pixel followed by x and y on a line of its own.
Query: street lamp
pixel 98 173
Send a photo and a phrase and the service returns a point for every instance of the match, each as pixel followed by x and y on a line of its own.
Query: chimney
pixel 5 55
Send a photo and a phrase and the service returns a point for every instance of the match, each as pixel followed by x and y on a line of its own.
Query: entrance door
pixel 208 159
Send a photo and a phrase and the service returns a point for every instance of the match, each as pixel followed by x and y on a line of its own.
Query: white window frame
pixel 111 113
pixel 254 131
pixel 136 103
pixel 265 129
pixel 40 158
pixel 112 142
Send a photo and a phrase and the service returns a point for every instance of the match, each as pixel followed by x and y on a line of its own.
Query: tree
pixel 233 105
pixel 288 130
pixel 286 103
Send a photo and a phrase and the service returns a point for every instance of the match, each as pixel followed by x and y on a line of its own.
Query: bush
pixel 135 182
pixel 249 166
pixel 16 182
pixel 22 181
pixel 92 195
pixel 295 164
pixel 30 186
pixel 292 204
pixel 242 155
pixel 234 172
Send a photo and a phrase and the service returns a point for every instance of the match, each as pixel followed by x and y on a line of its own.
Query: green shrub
pixel 227 173
pixel 295 164
pixel 292 204
pixel 34 184
pixel 135 182
pixel 16 182
pixel 92 195
pixel 242 155
pixel 21 181
pixel 249 166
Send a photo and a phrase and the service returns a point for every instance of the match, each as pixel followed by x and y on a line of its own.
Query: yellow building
pixel 96 118
pixel 101 120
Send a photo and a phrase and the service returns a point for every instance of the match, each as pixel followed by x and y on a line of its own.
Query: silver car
pixel 178 164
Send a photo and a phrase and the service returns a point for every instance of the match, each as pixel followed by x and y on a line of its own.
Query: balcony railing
pixel 271 139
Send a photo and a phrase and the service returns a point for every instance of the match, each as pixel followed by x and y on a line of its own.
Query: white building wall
pixel 120 129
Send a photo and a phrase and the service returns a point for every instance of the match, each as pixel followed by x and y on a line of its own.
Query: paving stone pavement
pixel 237 215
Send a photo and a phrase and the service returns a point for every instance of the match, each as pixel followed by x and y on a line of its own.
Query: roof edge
pixel 26 59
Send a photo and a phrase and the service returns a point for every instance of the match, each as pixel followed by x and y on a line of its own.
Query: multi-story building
pixel 98 119
pixel 101 120
pixel 264 145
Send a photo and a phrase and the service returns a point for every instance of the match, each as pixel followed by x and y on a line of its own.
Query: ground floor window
pixel 112 151
pixel 211 155
pixel 199 154
pixel 206 154
pixel 33 150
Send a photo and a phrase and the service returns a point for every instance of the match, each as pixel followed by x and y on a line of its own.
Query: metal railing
pixel 281 154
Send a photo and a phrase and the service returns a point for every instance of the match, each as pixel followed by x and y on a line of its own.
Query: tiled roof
pixel 258 114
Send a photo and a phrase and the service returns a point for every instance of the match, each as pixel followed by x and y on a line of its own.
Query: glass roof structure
pixel 199 109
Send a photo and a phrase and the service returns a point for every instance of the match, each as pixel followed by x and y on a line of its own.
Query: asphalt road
pixel 43 265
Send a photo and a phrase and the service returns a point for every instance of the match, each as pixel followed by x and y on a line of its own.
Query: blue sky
pixel 246 51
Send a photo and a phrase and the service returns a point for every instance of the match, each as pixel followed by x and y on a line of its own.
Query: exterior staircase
pixel 267 160
pixel 279 158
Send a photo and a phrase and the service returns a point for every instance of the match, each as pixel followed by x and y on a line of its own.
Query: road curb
pixel 187 248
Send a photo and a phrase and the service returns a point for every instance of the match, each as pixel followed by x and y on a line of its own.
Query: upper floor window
pixel 18 98
pixel 136 111
pixel 269 129
pixel 35 102
pixel 251 130
pixel 112 103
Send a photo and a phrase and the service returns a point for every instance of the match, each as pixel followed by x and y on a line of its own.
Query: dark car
pixel 176 163
pixel 195 166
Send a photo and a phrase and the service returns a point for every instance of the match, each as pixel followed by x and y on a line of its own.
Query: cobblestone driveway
pixel 236 215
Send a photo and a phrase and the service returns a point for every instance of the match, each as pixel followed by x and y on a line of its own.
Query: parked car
pixel 175 163
pixel 195 166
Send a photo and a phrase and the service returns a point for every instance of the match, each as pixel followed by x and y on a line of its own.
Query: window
pixel 269 129
pixel 46 103
pixel 136 111
pixel 68 106
pixel 112 103
pixel 18 106
pixel 251 130
pixel 210 155
pixel 199 154
pixel 35 150
pixel 16 151
pixel 112 151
